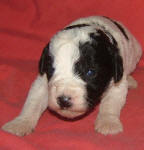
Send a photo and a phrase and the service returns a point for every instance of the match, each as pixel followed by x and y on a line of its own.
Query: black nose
pixel 64 102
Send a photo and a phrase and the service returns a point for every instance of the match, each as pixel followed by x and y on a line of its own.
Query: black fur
pixel 103 59
pixel 119 26
pixel 76 26
pixel 45 63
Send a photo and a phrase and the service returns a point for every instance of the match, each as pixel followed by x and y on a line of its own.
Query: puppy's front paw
pixel 108 125
pixel 19 127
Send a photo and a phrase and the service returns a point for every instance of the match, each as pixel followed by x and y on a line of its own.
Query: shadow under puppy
pixel 88 61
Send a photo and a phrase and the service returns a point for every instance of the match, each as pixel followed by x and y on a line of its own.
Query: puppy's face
pixel 79 65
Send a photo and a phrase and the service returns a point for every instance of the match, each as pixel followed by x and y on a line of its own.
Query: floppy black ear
pixel 118 67
pixel 43 63
pixel 46 63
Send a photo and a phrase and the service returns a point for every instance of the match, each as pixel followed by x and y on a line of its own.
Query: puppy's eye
pixel 90 73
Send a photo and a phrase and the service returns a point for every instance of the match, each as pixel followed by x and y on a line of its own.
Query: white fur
pixel 110 107
pixel 64 48
pixel 36 103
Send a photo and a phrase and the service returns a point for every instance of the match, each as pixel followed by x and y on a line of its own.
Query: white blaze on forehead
pixel 65 57
pixel 65 49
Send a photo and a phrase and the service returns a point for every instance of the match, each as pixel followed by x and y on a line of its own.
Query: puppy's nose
pixel 64 101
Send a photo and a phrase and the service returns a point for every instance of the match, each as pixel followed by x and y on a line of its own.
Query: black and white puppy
pixel 88 61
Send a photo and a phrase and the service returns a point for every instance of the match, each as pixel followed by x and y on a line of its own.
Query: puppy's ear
pixel 117 67
pixel 43 63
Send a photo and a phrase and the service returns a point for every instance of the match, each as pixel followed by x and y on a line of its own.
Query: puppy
pixel 88 61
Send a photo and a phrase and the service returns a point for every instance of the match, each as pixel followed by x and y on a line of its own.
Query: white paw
pixel 19 127
pixel 108 125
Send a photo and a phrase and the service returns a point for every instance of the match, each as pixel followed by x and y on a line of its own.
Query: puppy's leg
pixel 132 83
pixel 108 120
pixel 36 103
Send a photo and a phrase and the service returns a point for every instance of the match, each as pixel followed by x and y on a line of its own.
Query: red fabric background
pixel 25 28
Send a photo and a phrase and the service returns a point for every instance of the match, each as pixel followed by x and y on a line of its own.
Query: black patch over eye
pixel 98 65
pixel 85 71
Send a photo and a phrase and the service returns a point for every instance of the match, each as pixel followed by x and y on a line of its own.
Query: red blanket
pixel 25 28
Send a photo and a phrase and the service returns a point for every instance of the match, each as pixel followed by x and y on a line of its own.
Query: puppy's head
pixel 80 62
